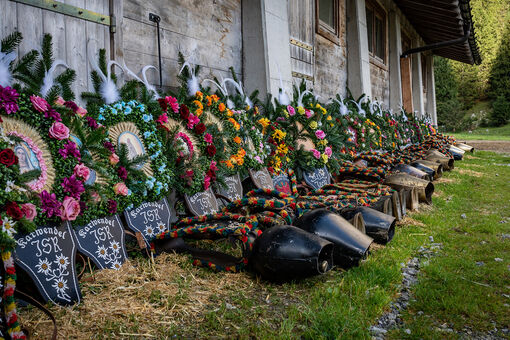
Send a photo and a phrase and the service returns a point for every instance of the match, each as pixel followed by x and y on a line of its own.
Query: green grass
pixel 498 133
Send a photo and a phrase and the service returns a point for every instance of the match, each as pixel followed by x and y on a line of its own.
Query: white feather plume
pixel 240 89
pixel 5 71
pixel 223 89
pixel 192 83
pixel 149 86
pixel 49 77
pixel 361 111
pixel 301 95
pixel 283 97
pixel 343 108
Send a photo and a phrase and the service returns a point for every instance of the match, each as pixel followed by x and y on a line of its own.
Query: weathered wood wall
pixel 206 31
pixel 70 35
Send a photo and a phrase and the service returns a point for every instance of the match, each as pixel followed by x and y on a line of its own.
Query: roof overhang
pixel 443 20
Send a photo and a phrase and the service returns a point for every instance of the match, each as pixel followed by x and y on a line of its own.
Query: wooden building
pixel 332 44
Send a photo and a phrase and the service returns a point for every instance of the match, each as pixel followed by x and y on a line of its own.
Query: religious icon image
pixel 133 144
pixel 27 158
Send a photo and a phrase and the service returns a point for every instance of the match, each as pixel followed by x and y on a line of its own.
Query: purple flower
pixel 92 122
pixel 112 206
pixel 9 99
pixel 122 172
pixel 70 150
pixel 109 146
pixel 83 207
pixel 51 113
pixel 73 186
pixel 71 105
pixel 49 204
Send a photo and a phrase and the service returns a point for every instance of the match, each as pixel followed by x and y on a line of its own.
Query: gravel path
pixel 490 145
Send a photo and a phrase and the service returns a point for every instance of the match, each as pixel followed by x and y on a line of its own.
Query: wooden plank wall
pixel 70 35
pixel 207 31
pixel 301 29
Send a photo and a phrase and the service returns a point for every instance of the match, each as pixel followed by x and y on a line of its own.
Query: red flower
pixel 13 210
pixel 184 112
pixel 10 270
pixel 200 128
pixel 8 158
pixel 211 150
pixel 163 104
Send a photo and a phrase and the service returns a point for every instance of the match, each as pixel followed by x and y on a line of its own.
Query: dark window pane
pixel 370 29
pixel 327 12
pixel 379 38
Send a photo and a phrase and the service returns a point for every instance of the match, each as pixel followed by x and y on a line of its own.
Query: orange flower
pixel 209 100
pixel 242 152
pixel 199 95
pixel 198 104
pixel 237 140
pixel 229 164
pixel 221 107
pixel 199 112
pixel 215 98
pixel 229 113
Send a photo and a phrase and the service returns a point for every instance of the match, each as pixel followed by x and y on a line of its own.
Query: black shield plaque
pixel 103 241
pixel 149 218
pixel 281 183
pixel 233 189
pixel 318 178
pixel 262 179
pixel 48 255
pixel 202 203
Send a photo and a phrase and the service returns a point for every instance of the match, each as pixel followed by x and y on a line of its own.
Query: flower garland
pixel 281 147
pixel 198 166
pixel 13 326
pixel 132 125
pixel 59 194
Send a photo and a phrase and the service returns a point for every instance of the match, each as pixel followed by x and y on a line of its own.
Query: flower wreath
pixel 145 180
pixel 281 147
pixel 311 130
pixel 253 128
pixel 197 167
pixel 44 141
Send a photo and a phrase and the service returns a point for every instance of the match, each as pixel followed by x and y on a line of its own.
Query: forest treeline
pixel 460 86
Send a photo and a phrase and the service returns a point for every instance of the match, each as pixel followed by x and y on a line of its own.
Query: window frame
pixel 324 29
pixel 380 13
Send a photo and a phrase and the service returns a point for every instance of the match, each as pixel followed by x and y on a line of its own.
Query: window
pixel 327 19
pixel 376 29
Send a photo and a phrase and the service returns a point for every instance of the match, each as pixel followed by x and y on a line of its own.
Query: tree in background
pixel 499 80
pixel 449 112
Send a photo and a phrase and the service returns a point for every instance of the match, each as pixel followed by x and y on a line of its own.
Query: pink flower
pixel 70 209
pixel 320 134
pixel 40 104
pixel 59 131
pixel 257 158
pixel 192 121
pixel 114 159
pixel 29 211
pixel 207 182
pixel 121 189
pixel 328 151
pixel 95 197
pixel 308 113
pixel 162 119
pixel 208 138
pixel 60 101
pixel 316 153
pixel 172 101
pixel 80 170
pixel 213 166
pixel 81 112
pixel 291 110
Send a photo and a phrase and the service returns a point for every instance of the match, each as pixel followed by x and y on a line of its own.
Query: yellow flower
pixel 264 122
pixel 282 149
pixel 313 124
pixel 199 112
pixel 198 104
pixel 256 110
pixel 199 95
pixel 323 142
pixel 301 110
pixel 324 158
pixel 221 107
pixel 279 135
pixel 329 118
pixel 229 113
pixel 215 98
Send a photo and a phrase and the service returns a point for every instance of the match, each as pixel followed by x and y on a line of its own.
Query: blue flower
pixel 132 103
pixel 129 207
pixel 159 186
pixel 156 154
pixel 147 118
pixel 145 192
pixel 151 145
pixel 100 117
pixel 101 110
pixel 118 106
pixel 162 168
pixel 141 107
pixel 150 182
pixel 128 110
pixel 113 111
pixel 129 192
pixel 147 134
pixel 159 144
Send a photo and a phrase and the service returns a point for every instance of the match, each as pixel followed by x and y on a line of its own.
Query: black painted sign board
pixel 202 203
pixel 149 218
pixel 281 183
pixel 262 179
pixel 233 189
pixel 48 255
pixel 102 240
pixel 318 178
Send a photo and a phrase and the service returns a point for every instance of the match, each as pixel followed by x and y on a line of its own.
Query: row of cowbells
pixel 320 240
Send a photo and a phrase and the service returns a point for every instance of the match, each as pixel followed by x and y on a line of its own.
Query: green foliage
pixel 447 96
pixel 10 42
pixel 500 111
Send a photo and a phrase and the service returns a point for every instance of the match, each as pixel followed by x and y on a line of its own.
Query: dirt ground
pixel 490 145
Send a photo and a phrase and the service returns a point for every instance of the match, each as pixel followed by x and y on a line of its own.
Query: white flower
pixel 114 245
pixel 102 252
pixel 9 186
pixel 8 226
pixel 44 266
pixel 116 265
pixel 62 261
pixel 60 285
pixel 161 227
pixel 149 231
